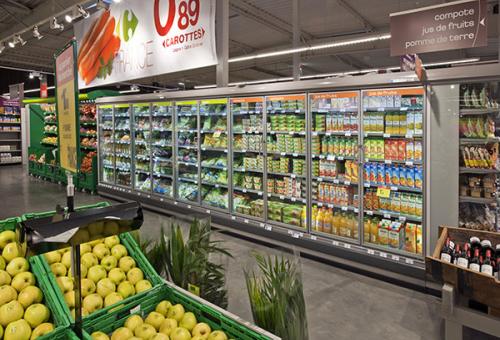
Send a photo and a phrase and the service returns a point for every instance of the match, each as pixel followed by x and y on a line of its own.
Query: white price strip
pixel 262 225
pixel 161 199
pixel 335 243
pixel 313 237
pixel 295 235
pixel 348 134
pixel 347 246
pixel 176 202
pixel 388 216
pixel 388 161
pixel 409 261
pixel 384 255
pixel 268 228
pixel 189 206
pixel 208 211
pixel 233 217
pixel 293 199
pixel 371 252
pixel 395 257
pixel 245 220
pixel 344 208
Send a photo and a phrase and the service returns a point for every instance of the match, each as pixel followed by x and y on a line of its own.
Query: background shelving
pixel 10 134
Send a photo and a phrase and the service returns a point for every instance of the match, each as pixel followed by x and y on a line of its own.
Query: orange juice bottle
pixel 319 220
pixel 327 226
pixel 314 218
pixel 366 229
pixel 303 217
pixel 354 226
pixel 374 231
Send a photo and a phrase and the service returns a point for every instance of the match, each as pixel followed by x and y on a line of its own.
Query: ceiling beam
pixel 366 24
pixel 249 10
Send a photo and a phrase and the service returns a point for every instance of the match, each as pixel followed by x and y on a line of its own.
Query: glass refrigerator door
pixel 214 153
pixel 106 145
pixel 393 169
pixel 479 135
pixel 286 160
pixel 162 144
pixel 123 152
pixel 248 156
pixel 142 147
pixel 335 164
pixel 187 151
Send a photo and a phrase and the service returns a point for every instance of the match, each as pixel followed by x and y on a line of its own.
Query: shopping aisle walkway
pixel 340 304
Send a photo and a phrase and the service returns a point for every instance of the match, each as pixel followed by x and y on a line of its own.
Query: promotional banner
pixel 136 39
pixel 448 26
pixel 66 101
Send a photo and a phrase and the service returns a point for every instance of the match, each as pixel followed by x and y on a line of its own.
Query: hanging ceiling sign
pixel 137 39
pixel 449 26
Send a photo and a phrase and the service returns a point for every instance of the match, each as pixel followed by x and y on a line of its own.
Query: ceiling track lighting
pixel 68 18
pixel 12 43
pixel 36 33
pixel 83 12
pixel 20 40
pixel 100 4
pixel 55 25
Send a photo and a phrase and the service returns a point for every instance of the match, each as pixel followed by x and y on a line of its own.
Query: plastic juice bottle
pixel 354 226
pixel 335 223
pixel 367 229
pixel 303 217
pixel 314 218
pixel 327 223
pixel 319 220
pixel 374 231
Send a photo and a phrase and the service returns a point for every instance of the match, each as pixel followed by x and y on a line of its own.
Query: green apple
pixel 163 307
pixel 11 312
pixel 119 251
pixel 81 236
pixel 85 248
pixel 126 263
pixel 29 296
pixel 117 276
pixel 65 284
pixel 92 303
pixel 11 251
pixel 66 259
pixel 135 275
pixel 126 289
pixel 17 265
pixel 58 269
pixel 7 294
pixel 160 336
pixel 199 337
pixel 99 336
pixel 176 312
pixel 96 273
pixel 133 322
pixel 83 271
pixel 23 280
pixel 2 263
pixel 109 262
pixel 188 321
pixel 217 335
pixel 111 241
pixel 144 331
pixel 101 251
pixel 142 286
pixel 96 228
pixel 69 298
pixel 111 228
pixel 122 333
pixel 112 298
pixel 89 260
pixel 180 333
pixel 4 278
pixel 17 330
pixel 36 314
pixel 88 287
pixel 98 239
pixel 105 287
pixel 42 329
pixel 202 329
pixel 168 325
pixel 155 319
pixel 7 237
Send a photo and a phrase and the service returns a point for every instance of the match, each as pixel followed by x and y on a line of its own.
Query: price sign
pixel 383 192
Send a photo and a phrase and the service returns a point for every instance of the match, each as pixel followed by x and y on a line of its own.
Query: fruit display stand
pixel 463 287
pixel 57 316
pixel 215 317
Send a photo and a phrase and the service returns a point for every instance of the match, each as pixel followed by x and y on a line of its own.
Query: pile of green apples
pixel 108 274
pixel 166 322
pixel 23 316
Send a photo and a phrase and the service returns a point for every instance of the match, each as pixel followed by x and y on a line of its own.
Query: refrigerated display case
pixel 214 153
pixel 122 145
pixel 142 146
pixel 187 130
pixel 248 156
pixel 162 148
pixel 107 144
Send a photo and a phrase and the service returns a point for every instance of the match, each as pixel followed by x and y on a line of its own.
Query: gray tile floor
pixel 340 304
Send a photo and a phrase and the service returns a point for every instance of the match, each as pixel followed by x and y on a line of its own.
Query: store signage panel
pixel 352 94
pixel 66 109
pixel 137 39
pixel 450 26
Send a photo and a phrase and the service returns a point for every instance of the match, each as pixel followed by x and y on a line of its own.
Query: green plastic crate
pixel 31 167
pixel 87 181
pixel 217 318
pixel 61 333
pixel 51 172
pixel 9 223
pixel 30 216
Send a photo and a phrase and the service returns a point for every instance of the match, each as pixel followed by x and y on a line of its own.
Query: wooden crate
pixel 469 284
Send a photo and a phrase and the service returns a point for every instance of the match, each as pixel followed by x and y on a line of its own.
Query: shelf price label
pixel 383 192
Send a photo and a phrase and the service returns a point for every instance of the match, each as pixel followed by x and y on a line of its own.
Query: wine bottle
pixel 475 263
pixel 463 257
pixel 456 254
pixel 474 243
pixel 447 251
pixel 487 265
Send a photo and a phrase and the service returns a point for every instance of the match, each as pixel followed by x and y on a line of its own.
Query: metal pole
pixel 296 38
pixel 222 38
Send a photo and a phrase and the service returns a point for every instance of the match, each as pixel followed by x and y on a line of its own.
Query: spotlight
pixel 31 75
pixel 55 25
pixel 20 40
pixel 68 18
pixel 12 44
pixel 84 13
pixel 36 33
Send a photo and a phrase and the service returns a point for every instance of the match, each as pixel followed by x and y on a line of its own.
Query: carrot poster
pixel 136 39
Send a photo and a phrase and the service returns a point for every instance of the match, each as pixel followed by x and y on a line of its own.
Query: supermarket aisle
pixel 341 304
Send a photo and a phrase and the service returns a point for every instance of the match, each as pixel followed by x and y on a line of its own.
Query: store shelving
pixel 187 157
pixel 50 128
pixel 162 148
pixel 10 133
pixel 122 145
pixel 393 175
pixel 106 142
pixel 88 133
pixel 141 142
pixel 479 119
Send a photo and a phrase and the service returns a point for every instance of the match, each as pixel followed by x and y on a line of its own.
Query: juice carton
pixel 410 150
pixel 397 100
pixel 380 173
pixel 402 176
pixel 396 202
pixel 373 172
pixel 394 149
pixel 411 237
pixel 380 149
pixel 418 205
pixel 366 172
pixel 404 204
pixel 396 235
pixel 366 229
pixel 418 123
pixel 374 231
pixel 419 239
pixel 402 124
pixel 380 123
pixel 410 122
pixel 388 123
pixel 412 205
pixel 401 149
pixel 410 177
pixel 389 101
pixel 418 150
pixel 394 175
pixel 383 232
pixel 388 174
pixel 387 149
pixel 418 177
